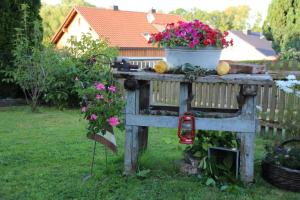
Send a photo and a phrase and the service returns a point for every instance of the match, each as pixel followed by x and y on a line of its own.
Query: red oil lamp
pixel 186 129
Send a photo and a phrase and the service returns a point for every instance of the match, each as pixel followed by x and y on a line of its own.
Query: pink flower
pixel 99 96
pixel 84 109
pixel 112 88
pixel 93 117
pixel 100 86
pixel 113 121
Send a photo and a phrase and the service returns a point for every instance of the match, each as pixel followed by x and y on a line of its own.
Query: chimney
pixel 115 7
pixel 153 11
pixel 247 31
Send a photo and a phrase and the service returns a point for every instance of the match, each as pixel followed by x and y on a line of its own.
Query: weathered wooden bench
pixel 243 121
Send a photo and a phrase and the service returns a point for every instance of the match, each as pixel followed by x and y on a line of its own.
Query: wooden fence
pixel 272 103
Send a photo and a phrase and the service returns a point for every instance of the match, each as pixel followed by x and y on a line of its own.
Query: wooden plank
pixel 235 124
pixel 131 150
pixel 217 96
pixel 194 102
pixel 211 95
pixel 258 101
pixel 199 94
pixel 163 92
pixel 183 107
pixel 204 94
pixel 144 101
pixel 228 95
pixel 265 105
pixel 273 102
pixel 131 138
pixel 246 79
pixel 247 157
pixel 247 141
pixel 223 96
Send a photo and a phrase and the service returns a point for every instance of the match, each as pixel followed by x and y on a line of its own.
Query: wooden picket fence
pixel 272 103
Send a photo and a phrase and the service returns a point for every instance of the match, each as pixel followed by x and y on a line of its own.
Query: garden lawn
pixel 46 155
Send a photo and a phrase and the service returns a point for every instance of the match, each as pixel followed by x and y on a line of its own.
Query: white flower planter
pixel 207 57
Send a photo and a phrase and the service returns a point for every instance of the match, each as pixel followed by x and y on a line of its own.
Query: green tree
pixel 231 18
pixel 257 23
pixel 53 15
pixel 31 59
pixel 282 24
pixel 10 19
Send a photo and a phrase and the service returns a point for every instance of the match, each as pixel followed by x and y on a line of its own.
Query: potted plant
pixel 191 42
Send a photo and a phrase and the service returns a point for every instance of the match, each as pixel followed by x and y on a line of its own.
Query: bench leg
pixel 247 157
pixel 131 150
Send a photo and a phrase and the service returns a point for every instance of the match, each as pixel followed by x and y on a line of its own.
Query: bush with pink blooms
pixel 102 104
pixel 193 35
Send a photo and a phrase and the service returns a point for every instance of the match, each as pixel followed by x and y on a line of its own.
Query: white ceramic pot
pixel 207 57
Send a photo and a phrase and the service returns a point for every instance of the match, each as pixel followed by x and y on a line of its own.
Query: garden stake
pixel 93 160
pixel 105 157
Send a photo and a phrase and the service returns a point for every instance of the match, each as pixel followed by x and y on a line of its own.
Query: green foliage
pixel 213 172
pixel 290 54
pixel 257 23
pixel 286 156
pixel 282 24
pixel 101 93
pixel 86 59
pixel 31 60
pixel 53 15
pixel 45 156
pixel 60 88
pixel 11 18
pixel 232 18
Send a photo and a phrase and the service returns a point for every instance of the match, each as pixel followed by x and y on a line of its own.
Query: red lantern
pixel 186 129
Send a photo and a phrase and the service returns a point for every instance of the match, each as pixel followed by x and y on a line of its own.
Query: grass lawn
pixel 46 156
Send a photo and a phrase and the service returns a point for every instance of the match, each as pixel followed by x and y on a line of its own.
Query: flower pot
pixel 281 177
pixel 207 57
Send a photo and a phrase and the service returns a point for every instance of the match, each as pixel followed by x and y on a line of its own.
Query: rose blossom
pixel 112 88
pixel 113 121
pixel 93 117
pixel 99 96
pixel 84 109
pixel 100 86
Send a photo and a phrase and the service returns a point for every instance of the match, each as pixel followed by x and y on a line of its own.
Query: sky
pixel 168 5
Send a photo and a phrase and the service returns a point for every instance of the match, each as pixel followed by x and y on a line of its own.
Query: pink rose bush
pixel 102 106
pixel 193 35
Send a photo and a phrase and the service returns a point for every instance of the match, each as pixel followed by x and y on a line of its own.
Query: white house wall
pixel 77 28
pixel 241 50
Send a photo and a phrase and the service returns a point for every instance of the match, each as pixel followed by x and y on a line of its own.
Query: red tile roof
pixel 121 28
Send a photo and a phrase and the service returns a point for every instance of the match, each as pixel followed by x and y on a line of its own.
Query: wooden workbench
pixel 243 122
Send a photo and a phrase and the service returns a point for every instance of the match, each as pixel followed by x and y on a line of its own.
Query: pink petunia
pixel 84 109
pixel 100 86
pixel 93 117
pixel 113 121
pixel 112 88
pixel 99 96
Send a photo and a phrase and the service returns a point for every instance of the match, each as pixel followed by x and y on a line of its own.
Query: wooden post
pixel 248 138
pixel 144 88
pixel 131 140
pixel 185 97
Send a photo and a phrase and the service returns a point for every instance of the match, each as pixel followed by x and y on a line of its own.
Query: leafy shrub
pixel 213 172
pixel 84 59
